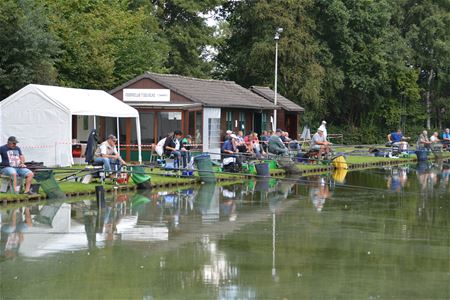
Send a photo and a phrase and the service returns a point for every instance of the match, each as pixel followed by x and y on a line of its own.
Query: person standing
pixel 186 150
pixel 323 127
pixel 13 163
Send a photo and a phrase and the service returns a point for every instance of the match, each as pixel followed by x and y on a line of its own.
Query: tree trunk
pixel 428 99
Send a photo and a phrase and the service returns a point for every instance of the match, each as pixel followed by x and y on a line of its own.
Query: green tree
pixel 27 49
pixel 104 42
pixel 247 54
pixel 188 34
pixel 427 28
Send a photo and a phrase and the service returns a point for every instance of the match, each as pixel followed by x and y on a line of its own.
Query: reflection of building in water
pixel 208 203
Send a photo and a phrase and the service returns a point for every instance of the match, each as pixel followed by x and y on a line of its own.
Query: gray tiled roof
pixel 282 101
pixel 211 93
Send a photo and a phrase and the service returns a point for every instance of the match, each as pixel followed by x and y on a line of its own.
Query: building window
pixel 147 125
pixel 241 121
pixel 191 127
pixel 214 133
pixel 168 122
pixel 198 127
pixel 229 120
pixel 264 121
pixel 85 122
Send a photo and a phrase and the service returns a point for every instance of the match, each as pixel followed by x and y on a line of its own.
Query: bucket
pixel 272 164
pixel 422 155
pixel 139 177
pixel 205 168
pixel 263 169
pixel 34 188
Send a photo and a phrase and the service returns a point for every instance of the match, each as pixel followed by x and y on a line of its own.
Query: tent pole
pixel 95 122
pixel 138 134
pixel 118 135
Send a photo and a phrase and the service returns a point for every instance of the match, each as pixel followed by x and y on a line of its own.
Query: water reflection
pixel 258 239
pixel 145 216
pixel 319 191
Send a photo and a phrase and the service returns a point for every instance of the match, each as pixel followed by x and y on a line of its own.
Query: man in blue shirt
pixel 446 138
pixel 13 163
pixel 395 137
pixel 229 146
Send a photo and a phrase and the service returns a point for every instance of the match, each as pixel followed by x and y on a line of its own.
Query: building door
pixel 257 122
pixel 168 122
pixel 291 125
pixel 147 120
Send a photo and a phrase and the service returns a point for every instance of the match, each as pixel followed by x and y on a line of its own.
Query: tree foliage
pixel 358 63
pixel 367 66
pixel 27 49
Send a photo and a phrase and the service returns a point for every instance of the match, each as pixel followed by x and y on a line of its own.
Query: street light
pixel 276 38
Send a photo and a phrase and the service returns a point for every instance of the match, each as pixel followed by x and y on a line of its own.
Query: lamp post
pixel 276 38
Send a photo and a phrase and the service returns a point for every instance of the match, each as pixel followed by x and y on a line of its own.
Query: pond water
pixel 374 234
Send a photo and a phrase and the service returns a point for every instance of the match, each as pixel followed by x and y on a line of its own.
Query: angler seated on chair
pixel 436 143
pixel 397 139
pixel 423 142
pixel 446 138
pixel 13 164
pixel 107 155
pixel 276 145
pixel 172 147
pixel 320 144
pixel 230 156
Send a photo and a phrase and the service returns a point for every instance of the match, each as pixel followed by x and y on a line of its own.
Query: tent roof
pixel 78 101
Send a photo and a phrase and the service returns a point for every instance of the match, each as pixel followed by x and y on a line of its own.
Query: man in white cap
pixel 324 128
pixel 319 143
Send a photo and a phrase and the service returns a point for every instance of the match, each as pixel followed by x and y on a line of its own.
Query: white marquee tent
pixel 40 116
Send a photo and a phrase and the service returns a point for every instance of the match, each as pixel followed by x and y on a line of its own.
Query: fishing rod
pixel 254 176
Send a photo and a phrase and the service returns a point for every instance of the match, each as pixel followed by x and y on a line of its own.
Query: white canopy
pixel 40 116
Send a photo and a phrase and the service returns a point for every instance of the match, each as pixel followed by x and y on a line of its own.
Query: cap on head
pixel 233 136
pixel 279 130
pixel 177 132
pixel 112 137
pixel 189 136
pixel 12 140
pixel 229 132
pixel 324 122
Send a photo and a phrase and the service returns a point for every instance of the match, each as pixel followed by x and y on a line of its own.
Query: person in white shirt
pixel 107 153
pixel 324 129
pixel 435 138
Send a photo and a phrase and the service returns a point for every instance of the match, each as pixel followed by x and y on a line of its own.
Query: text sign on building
pixel 146 95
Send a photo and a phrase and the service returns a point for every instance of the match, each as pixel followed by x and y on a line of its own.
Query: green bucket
pixel 48 183
pixel 272 164
pixel 139 177
pixel 205 168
